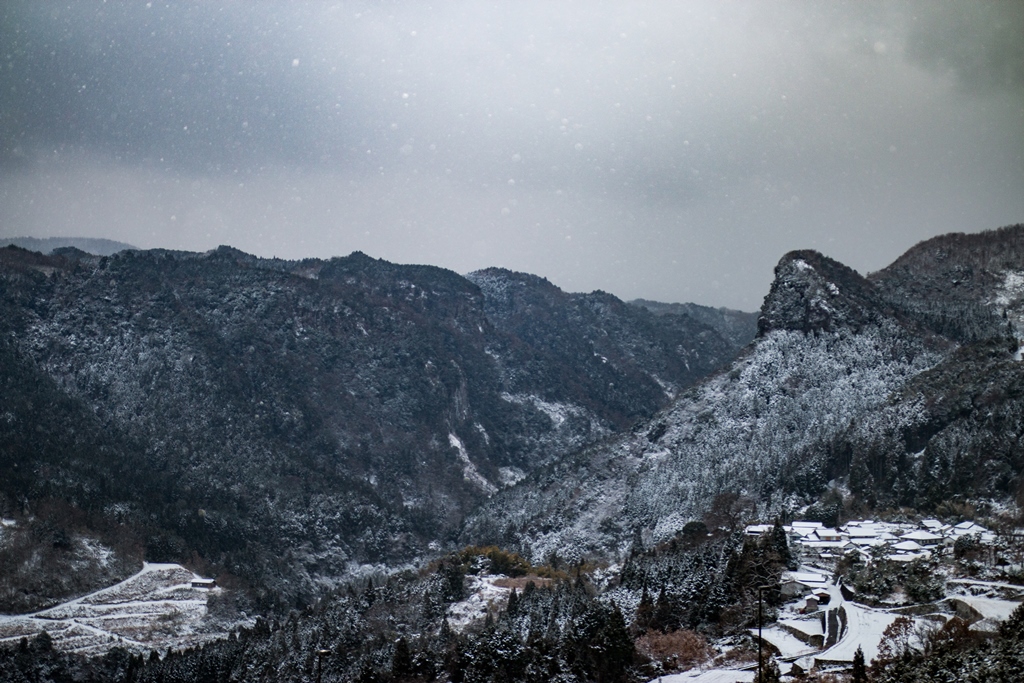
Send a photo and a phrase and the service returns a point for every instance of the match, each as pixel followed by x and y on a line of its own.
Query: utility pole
pixel 320 654
pixel 760 640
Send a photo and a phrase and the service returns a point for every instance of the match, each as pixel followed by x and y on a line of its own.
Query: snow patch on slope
pixel 484 595
pixel 742 431
pixel 1008 300
pixel 469 471
pixel 510 476
pixel 556 412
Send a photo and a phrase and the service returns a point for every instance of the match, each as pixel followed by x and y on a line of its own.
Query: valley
pixel 400 473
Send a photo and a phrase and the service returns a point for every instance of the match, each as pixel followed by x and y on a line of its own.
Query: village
pixel 897 542
pixel 824 619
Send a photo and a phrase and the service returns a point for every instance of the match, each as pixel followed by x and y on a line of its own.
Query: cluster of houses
pixel 894 541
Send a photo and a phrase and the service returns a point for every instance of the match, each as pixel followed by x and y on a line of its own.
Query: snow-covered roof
pixel 862 532
pixel 807 543
pixel 931 524
pixel 805 577
pixel 907 546
pixel 907 557
pixel 757 529
pixel 711 676
pixel 787 644
pixel 809 626
pixel 989 608
pixel 922 536
pixel 826 534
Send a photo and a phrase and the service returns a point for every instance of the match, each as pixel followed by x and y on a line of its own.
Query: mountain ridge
pixel 825 393
pixel 286 422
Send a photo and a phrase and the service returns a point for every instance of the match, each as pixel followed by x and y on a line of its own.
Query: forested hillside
pixel 850 381
pixel 287 422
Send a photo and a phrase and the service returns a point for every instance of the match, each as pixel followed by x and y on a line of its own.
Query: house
pixel 799 584
pixel 925 538
pixel 908 551
pixel 803 529
pixel 907 547
pixel 831 535
pixel 964 528
pixel 860 533
pixel 198 582
pixel 757 529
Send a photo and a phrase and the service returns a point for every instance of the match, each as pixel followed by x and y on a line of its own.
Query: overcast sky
pixel 666 150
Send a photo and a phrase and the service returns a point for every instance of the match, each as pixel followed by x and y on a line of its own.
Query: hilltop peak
pixel 813 292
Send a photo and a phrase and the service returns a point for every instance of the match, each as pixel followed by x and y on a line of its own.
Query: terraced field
pixel 156 609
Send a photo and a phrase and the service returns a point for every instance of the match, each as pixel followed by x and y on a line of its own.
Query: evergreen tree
pixel 401 660
pixel 860 671
pixel 662 612
pixel 614 648
pixel 644 611
pixel 780 545
pixel 513 604
pixel 769 671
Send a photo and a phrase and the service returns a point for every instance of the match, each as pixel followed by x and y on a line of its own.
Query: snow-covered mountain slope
pixel 291 420
pixel 840 375
pixel 965 286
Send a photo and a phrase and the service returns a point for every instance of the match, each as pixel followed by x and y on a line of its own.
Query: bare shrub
pixel 677 650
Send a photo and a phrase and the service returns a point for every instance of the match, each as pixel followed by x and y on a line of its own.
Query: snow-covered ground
pixel 993 609
pixel 788 645
pixel 709 676
pixel 864 629
pixel 865 626
pixel 157 608
pixel 484 593
pixel 975 584
pixel 469 471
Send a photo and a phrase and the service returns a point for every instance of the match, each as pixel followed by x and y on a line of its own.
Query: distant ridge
pixel 738 326
pixel 92 245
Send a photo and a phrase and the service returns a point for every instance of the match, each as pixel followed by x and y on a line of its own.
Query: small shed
pixel 198 582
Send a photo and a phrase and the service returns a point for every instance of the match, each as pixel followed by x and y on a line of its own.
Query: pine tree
pixel 860 671
pixel 644 611
pixel 513 604
pixel 446 634
pixel 615 647
pixel 780 544
pixel 662 613
pixel 401 660
pixel 769 672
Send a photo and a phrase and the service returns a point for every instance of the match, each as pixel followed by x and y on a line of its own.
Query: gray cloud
pixel 665 150
pixel 979 44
